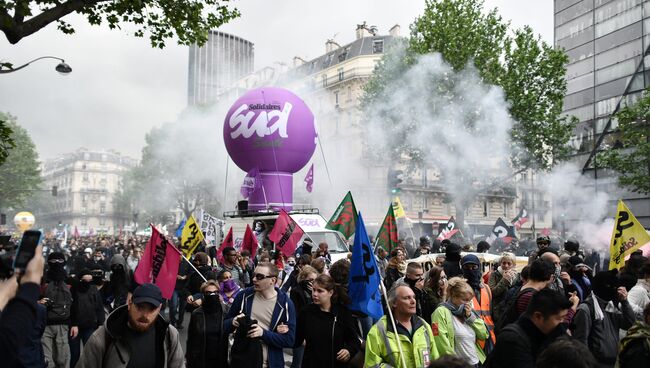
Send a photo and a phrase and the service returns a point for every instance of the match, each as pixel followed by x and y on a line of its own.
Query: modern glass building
pixel 215 66
pixel 607 42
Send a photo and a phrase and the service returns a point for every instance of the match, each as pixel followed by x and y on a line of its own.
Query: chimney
pixel 331 45
pixel 298 61
pixel 362 31
pixel 394 31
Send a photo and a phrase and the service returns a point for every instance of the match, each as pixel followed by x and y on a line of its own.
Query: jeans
pixel 297 357
pixel 75 344
pixel 177 306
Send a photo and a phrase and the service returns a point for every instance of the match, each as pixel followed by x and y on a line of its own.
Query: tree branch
pixel 16 29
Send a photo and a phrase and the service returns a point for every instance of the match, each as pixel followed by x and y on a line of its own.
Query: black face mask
pixel 84 285
pixel 210 302
pixel 56 271
pixel 98 280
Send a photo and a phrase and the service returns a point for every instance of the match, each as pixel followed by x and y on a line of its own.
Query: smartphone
pixel 26 249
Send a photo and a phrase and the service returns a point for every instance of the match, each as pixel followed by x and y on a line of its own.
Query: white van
pixel 309 220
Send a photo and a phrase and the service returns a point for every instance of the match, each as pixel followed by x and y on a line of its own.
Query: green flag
pixel 387 237
pixel 344 219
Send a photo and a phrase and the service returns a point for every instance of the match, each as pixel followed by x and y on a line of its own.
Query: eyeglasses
pixel 261 276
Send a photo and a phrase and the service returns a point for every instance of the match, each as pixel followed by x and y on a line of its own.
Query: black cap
pixel 147 293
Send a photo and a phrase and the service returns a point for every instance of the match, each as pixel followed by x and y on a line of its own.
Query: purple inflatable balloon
pixel 273 130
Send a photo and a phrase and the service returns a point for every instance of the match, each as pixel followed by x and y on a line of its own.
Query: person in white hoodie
pixel 639 295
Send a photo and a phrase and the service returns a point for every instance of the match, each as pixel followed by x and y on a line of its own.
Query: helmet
pixel 425 240
pixel 571 245
pixel 543 239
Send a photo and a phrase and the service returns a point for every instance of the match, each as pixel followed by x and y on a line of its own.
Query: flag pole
pixel 188 261
pixel 392 320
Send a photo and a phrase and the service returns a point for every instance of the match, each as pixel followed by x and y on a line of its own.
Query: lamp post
pixel 62 67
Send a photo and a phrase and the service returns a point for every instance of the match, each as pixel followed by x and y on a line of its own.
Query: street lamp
pixel 62 67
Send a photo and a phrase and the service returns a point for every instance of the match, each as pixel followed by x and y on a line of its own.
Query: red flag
pixel 286 234
pixel 227 242
pixel 76 233
pixel 250 242
pixel 159 264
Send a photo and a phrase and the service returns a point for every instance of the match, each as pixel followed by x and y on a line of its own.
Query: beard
pixel 141 324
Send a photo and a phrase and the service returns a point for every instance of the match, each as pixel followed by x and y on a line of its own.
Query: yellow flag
pixel 191 237
pixel 397 208
pixel 628 236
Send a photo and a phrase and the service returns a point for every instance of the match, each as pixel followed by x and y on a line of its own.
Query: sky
pixel 120 87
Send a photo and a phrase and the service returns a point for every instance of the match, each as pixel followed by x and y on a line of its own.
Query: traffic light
pixel 394 179
pixel 55 190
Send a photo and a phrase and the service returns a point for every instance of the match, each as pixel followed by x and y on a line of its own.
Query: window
pixel 563 4
pixel 580 83
pixel 377 46
pixel 328 60
pixel 102 221
pixel 343 55
pixel 616 71
pixel 336 98
pixel 616 7
pixel 577 39
pixel 84 209
pixel 579 99
pixel 349 93
pixel 619 21
pixel 573 27
pixel 581 52
pixel 619 37
pixel 84 221
pixel 582 113
pixel 485 209
pixel 580 68
pixel 623 52
pixel 574 11
pixel 340 74
pixel 102 208
pixel 85 177
pixel 102 198
pixel 324 79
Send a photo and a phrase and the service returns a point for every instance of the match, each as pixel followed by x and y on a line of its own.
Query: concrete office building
pixel 607 43
pixel 215 66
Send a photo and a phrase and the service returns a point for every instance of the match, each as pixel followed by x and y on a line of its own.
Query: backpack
pixel 510 313
pixel 58 309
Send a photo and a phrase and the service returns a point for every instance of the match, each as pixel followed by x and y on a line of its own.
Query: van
pixel 309 220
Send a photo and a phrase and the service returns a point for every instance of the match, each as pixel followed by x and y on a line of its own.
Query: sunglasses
pixel 261 276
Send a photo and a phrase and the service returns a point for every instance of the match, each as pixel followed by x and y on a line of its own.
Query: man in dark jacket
pixel 519 344
pixel 87 312
pixel 273 311
pixel 135 335
pixel 119 284
pixel 207 346
pixel 599 318
pixel 452 261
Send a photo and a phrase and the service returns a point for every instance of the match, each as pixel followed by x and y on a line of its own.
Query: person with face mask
pixel 482 300
pixel 599 318
pixel 228 289
pixel 581 276
pixel 120 281
pixel 87 312
pixel 206 343
pixel 57 298
pixel 500 281
pixel 415 279
pixel 457 328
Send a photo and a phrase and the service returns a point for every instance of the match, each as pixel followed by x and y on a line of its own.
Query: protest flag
pixel 628 235
pixel 179 230
pixel 252 182
pixel 309 179
pixel 286 234
pixel 520 219
pixel 228 241
pixel 448 230
pixel 76 233
pixel 190 237
pixel 364 278
pixel 159 264
pixel 398 210
pixel 501 231
pixel 344 218
pixel 250 242
pixel 387 237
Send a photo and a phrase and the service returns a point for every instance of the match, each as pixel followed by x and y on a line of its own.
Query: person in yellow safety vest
pixel 415 336
pixel 482 302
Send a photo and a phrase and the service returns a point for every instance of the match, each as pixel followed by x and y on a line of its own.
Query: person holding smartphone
pixel 18 303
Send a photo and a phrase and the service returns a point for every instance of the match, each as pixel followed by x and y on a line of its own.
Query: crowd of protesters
pixel 271 311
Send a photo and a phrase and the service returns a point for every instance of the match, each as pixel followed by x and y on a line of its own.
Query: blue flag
pixel 363 288
pixel 179 231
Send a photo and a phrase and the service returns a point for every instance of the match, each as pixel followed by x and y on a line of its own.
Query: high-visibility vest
pixel 483 310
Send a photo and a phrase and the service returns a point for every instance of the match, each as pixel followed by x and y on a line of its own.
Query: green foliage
pixel 19 174
pixel 6 142
pixel 188 20
pixel 630 157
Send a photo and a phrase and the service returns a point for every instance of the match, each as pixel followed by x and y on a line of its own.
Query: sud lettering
pixel 240 122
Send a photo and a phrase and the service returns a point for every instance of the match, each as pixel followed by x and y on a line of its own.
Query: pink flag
pixel 250 242
pixel 159 264
pixel 252 182
pixel 286 234
pixel 309 179
pixel 227 242
pixel 76 233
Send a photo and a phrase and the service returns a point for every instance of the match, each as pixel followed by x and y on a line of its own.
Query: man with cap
pixel 482 302
pixel 135 335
